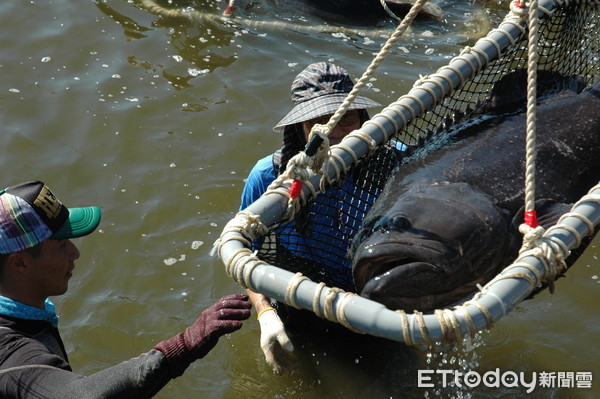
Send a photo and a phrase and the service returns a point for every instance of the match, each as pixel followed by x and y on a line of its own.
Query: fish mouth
pixel 409 275
pixel 412 272
pixel 407 259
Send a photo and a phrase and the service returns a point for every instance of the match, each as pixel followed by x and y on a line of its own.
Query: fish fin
pixel 548 212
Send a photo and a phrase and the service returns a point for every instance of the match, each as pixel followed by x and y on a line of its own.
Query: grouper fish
pixel 448 218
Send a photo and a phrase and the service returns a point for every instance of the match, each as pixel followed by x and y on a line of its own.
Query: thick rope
pixel 379 58
pixel 532 66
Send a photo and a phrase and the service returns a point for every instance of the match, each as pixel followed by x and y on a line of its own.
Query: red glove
pixel 224 317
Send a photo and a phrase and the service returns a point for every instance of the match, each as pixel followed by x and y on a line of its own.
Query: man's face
pixel 349 122
pixel 50 272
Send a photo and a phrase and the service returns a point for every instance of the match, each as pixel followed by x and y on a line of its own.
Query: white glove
pixel 275 342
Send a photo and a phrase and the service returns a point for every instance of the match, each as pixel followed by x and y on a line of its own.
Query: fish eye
pixel 400 222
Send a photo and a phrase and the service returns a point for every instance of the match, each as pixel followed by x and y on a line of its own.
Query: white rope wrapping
pixel 410 109
pixel 457 72
pixel 418 316
pixel 468 319
pixel 399 113
pixel 341 312
pixel 431 93
pixel 245 228
pixel 329 298
pixel 379 126
pixel 245 223
pixel 489 320
pixel 573 231
pixel 405 327
pixel 290 290
pixel 316 298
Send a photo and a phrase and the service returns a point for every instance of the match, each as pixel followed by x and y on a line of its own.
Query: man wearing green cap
pixel 37 260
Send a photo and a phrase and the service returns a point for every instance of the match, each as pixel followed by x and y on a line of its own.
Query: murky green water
pixel 158 123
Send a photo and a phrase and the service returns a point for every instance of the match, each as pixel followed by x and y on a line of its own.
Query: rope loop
pixel 317 298
pixel 292 287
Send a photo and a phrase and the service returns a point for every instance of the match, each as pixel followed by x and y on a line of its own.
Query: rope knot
pixel 532 236
pixel 549 252
pixel 519 8
pixel 322 154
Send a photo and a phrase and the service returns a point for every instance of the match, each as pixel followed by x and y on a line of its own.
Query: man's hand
pixel 224 317
pixel 274 342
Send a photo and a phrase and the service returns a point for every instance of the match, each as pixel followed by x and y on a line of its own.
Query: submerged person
pixel 321 231
pixel 37 259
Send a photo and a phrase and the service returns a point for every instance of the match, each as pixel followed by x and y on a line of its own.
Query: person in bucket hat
pixel 317 92
pixel 37 259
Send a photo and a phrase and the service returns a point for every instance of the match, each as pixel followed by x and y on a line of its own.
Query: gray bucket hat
pixel 319 90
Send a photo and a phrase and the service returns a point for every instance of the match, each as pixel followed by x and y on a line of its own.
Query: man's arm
pixel 141 377
pixel 40 374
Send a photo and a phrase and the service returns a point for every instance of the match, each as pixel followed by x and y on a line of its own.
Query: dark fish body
pixel 448 220
pixel 353 11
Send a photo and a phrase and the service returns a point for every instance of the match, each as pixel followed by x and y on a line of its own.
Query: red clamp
pixel 531 219
pixel 296 188
pixel 228 11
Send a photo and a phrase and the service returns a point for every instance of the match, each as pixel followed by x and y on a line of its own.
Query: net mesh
pixel 317 241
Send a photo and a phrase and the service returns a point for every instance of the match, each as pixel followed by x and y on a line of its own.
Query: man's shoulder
pixel 22 326
pixel 30 342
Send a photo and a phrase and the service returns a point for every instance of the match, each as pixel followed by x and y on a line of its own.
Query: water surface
pixel 158 122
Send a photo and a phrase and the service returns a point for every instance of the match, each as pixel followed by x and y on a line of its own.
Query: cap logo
pixel 48 203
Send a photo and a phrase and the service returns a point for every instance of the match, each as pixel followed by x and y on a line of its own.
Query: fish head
pixel 430 246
